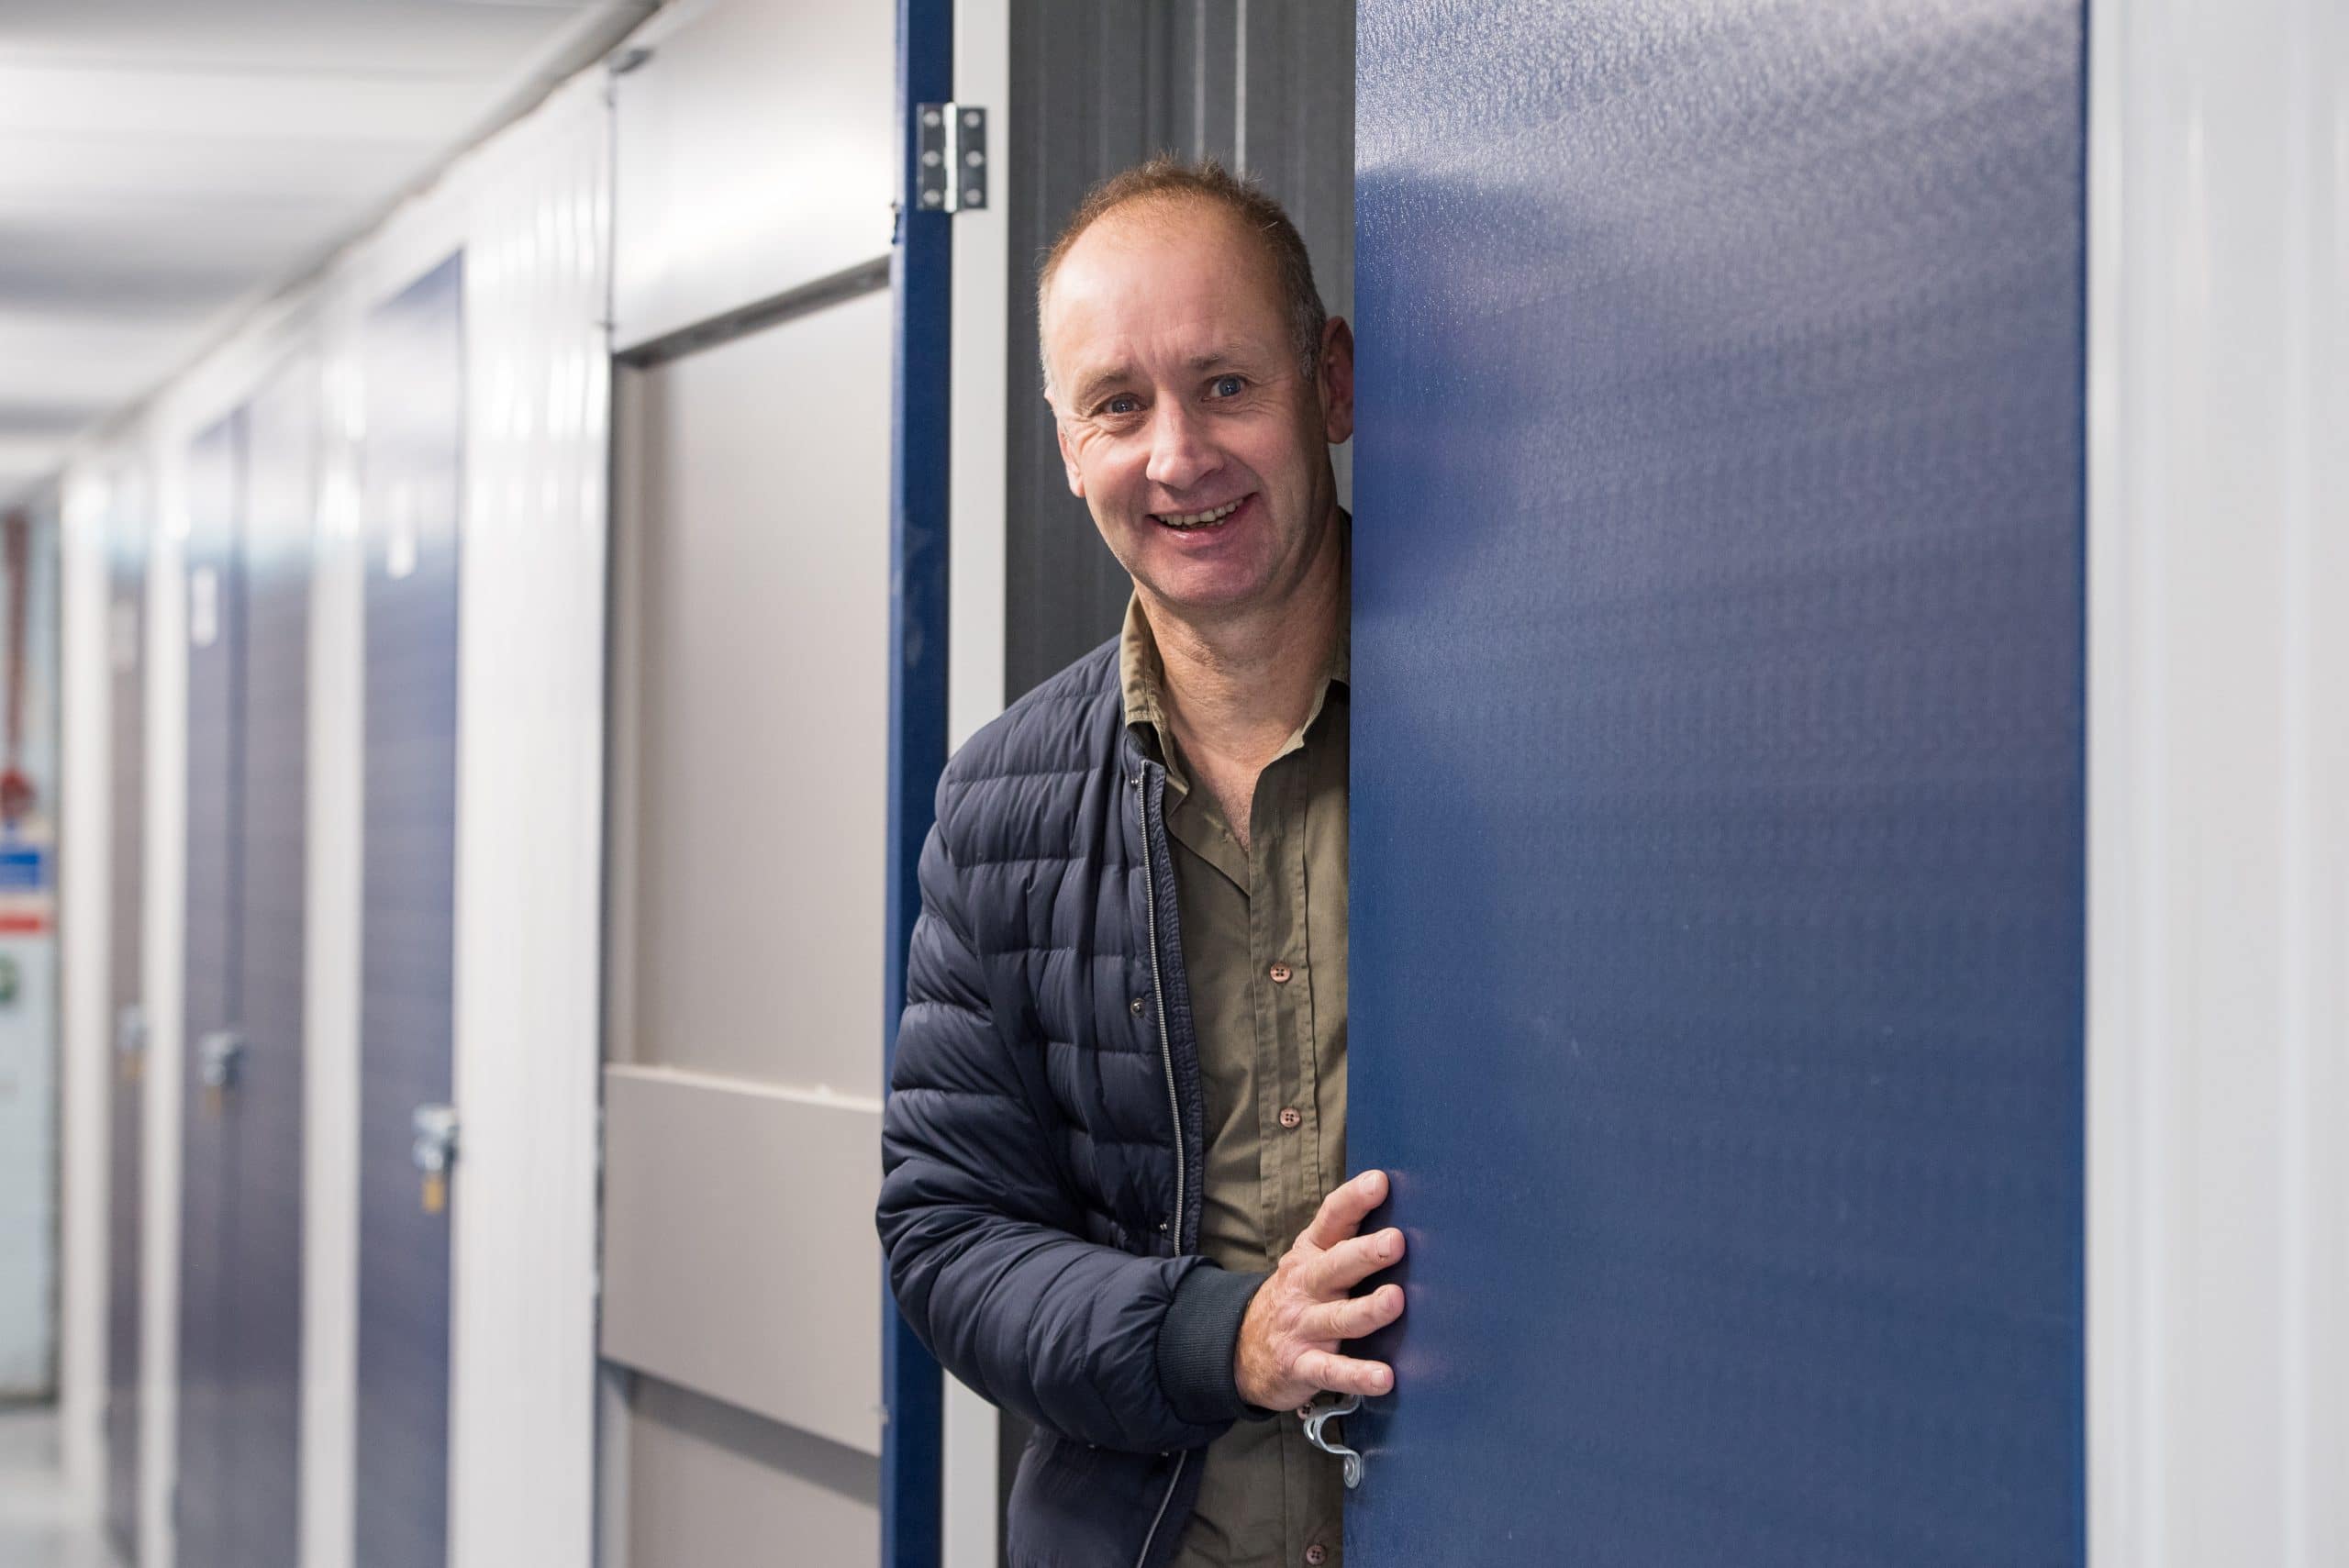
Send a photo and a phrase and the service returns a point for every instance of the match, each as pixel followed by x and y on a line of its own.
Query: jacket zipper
pixel 1163 1503
pixel 1174 1106
pixel 1158 996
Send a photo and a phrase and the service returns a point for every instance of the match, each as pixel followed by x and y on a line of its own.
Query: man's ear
pixel 1337 380
pixel 1068 459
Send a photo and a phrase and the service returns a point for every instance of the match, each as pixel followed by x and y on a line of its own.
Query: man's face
pixel 1186 422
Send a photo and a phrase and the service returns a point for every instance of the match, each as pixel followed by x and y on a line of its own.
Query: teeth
pixel 1198 519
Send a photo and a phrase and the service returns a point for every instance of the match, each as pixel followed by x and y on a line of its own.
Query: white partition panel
pixel 755 156
pixel 738 1243
pixel 530 839
pixel 753 677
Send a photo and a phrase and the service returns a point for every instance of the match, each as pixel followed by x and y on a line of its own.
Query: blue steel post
pixel 921 274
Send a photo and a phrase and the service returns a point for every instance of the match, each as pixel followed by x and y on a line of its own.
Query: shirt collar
pixel 1143 674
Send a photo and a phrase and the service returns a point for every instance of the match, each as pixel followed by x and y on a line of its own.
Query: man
pixel 1116 1133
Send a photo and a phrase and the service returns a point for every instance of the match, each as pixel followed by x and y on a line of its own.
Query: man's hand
pixel 1288 1341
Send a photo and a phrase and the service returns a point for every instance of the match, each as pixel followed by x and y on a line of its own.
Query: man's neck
pixel 1237 687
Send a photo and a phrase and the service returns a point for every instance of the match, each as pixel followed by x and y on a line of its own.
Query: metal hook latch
pixel 1322 1415
pixel 434 1151
pixel 220 1066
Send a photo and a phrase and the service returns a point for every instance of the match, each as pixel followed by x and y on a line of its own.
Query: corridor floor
pixel 36 1526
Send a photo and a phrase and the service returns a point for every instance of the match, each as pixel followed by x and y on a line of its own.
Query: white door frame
pixel 2218 783
pixel 971 1518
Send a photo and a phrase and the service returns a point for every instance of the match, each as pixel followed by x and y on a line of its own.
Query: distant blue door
pixel 273 893
pixel 413 484
pixel 240 1294
pixel 1717 892
pixel 206 1475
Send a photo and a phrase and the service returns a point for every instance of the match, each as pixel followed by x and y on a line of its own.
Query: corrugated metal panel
pixel 1099 88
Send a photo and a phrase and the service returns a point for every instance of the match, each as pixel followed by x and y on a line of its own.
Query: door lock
pixel 220 1065
pixel 131 1042
pixel 434 1151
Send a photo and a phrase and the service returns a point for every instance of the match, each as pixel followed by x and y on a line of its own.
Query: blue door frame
pixel 921 275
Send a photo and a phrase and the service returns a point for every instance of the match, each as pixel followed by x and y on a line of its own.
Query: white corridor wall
pixel 530 207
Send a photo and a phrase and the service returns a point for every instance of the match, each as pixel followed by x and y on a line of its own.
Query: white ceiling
pixel 166 165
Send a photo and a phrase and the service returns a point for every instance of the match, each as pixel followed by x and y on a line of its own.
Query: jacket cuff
pixel 1198 1342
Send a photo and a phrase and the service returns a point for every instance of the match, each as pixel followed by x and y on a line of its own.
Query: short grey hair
pixel 1169 178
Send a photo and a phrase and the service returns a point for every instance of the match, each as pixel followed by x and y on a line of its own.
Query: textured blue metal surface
pixel 127 792
pixel 265 1110
pixel 1717 892
pixel 207 1470
pixel 913 1390
pixel 414 487
pixel 242 1194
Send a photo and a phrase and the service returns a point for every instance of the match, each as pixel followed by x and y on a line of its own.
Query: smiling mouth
pixel 1191 522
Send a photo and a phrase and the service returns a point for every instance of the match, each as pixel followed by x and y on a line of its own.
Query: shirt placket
pixel 1279 1118
pixel 1285 1108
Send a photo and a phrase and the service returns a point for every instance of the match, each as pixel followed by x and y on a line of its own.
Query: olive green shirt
pixel 1263 937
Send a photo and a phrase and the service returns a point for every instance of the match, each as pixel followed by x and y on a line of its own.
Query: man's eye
pixel 1228 385
pixel 1121 403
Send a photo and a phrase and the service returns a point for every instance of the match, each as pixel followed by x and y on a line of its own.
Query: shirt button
pixel 1136 1006
pixel 1280 974
pixel 1305 1412
pixel 1291 1118
pixel 1317 1555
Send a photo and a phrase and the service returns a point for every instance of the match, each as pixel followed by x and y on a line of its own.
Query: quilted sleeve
pixel 984 1256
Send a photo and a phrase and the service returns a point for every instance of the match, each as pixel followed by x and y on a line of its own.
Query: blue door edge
pixel 921 272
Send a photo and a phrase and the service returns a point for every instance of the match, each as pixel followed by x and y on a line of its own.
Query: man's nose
pixel 1180 455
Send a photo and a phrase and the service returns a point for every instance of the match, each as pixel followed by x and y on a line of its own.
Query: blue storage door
pixel 125 1228
pixel 413 487
pixel 1717 891
pixel 264 1112
pixel 208 1475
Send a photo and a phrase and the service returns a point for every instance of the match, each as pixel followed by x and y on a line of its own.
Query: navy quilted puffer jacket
pixel 1042 1141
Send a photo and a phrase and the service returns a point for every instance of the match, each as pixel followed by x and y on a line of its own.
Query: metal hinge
pixel 952 142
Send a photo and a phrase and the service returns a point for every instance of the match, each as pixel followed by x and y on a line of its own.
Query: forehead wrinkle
pixel 1222 354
